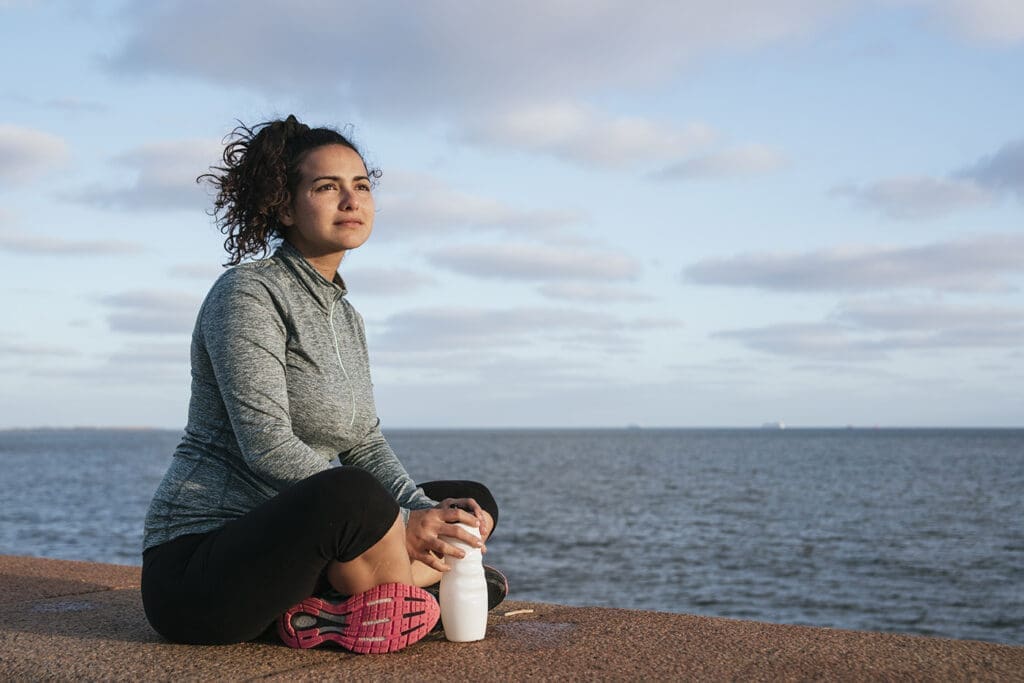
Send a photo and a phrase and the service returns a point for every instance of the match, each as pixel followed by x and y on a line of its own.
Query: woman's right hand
pixel 426 527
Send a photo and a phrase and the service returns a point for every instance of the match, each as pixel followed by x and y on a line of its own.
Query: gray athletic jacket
pixel 280 387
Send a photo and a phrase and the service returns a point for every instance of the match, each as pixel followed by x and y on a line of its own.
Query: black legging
pixel 228 585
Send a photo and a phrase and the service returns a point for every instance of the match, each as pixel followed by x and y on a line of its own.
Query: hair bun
pixel 292 126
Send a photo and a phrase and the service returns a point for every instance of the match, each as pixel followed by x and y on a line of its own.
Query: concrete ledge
pixel 77 620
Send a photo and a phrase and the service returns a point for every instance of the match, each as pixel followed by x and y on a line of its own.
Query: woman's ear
pixel 284 215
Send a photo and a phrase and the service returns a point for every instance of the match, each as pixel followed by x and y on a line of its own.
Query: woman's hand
pixel 423 534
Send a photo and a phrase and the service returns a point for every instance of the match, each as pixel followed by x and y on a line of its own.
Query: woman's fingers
pixel 470 506
pixel 459 516
pixel 433 561
pixel 460 534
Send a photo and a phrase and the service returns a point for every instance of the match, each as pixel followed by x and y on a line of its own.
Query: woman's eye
pixel 363 187
pixel 328 186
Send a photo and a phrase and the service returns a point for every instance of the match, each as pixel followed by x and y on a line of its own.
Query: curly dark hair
pixel 259 177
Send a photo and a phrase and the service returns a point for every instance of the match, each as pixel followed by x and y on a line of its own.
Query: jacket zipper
pixel 337 352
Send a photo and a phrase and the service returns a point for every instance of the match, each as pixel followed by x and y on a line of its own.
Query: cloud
pixel 922 197
pixel 990 21
pixel 536 263
pixel 419 206
pixel 153 367
pixel 742 160
pixel 504 372
pixel 446 56
pixel 37 350
pixel 1002 171
pixel 75 105
pixel 870 330
pixel 975 264
pixel 814 340
pixel 589 292
pixel 574 132
pixel 176 355
pixel 25 243
pixel 890 315
pixel 384 281
pixel 68 105
pixel 165 177
pixel 917 198
pixel 455 329
pixel 840 370
pixel 207 272
pixel 938 325
pixel 152 312
pixel 26 153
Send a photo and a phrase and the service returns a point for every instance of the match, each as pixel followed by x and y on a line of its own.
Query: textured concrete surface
pixel 75 620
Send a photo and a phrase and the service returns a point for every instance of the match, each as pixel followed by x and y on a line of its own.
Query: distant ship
pixel 774 425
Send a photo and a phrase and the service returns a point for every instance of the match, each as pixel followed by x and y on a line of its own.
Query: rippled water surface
pixel 914 531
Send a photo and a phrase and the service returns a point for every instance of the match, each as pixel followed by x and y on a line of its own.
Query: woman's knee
pixel 349 493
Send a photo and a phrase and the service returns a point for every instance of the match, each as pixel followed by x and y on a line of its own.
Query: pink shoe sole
pixel 383 619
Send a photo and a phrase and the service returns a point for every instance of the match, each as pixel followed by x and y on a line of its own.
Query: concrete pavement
pixel 76 620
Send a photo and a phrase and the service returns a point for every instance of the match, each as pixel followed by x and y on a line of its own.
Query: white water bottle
pixel 464 593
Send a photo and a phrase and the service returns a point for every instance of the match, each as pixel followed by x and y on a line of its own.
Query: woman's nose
pixel 348 200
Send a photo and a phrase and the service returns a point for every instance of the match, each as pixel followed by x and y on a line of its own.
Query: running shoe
pixel 383 619
pixel 497 587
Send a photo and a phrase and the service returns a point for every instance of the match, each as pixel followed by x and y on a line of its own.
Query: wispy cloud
pixel 536 262
pixel 70 105
pixel 988 21
pixel 384 281
pixel 1002 171
pixel 974 264
pixel 165 178
pixel 453 329
pixel 26 153
pixel 923 197
pixel 152 312
pixel 207 272
pixel 146 364
pixel 420 206
pixel 175 355
pixel 27 350
pixel 916 198
pixel 591 292
pixel 732 161
pixel 505 372
pixel 575 132
pixel 872 329
pixel 453 56
pixel 27 243
pixel 897 315
pixel 75 105
pixel 808 340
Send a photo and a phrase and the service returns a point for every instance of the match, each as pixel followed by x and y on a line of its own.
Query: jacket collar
pixel 325 293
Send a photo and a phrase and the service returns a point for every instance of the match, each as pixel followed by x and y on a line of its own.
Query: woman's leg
pixel 229 585
pixel 387 561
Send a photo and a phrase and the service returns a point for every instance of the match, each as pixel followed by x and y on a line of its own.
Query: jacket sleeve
pixel 374 455
pixel 245 336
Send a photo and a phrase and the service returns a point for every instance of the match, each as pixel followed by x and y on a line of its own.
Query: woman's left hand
pixel 423 535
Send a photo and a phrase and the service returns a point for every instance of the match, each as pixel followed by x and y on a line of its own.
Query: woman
pixel 251 520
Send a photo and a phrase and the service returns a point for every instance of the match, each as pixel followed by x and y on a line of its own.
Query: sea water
pixel 911 531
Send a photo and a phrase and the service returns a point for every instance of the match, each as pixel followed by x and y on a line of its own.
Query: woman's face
pixel 332 210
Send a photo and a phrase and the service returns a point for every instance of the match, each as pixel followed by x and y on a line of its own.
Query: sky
pixel 592 213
